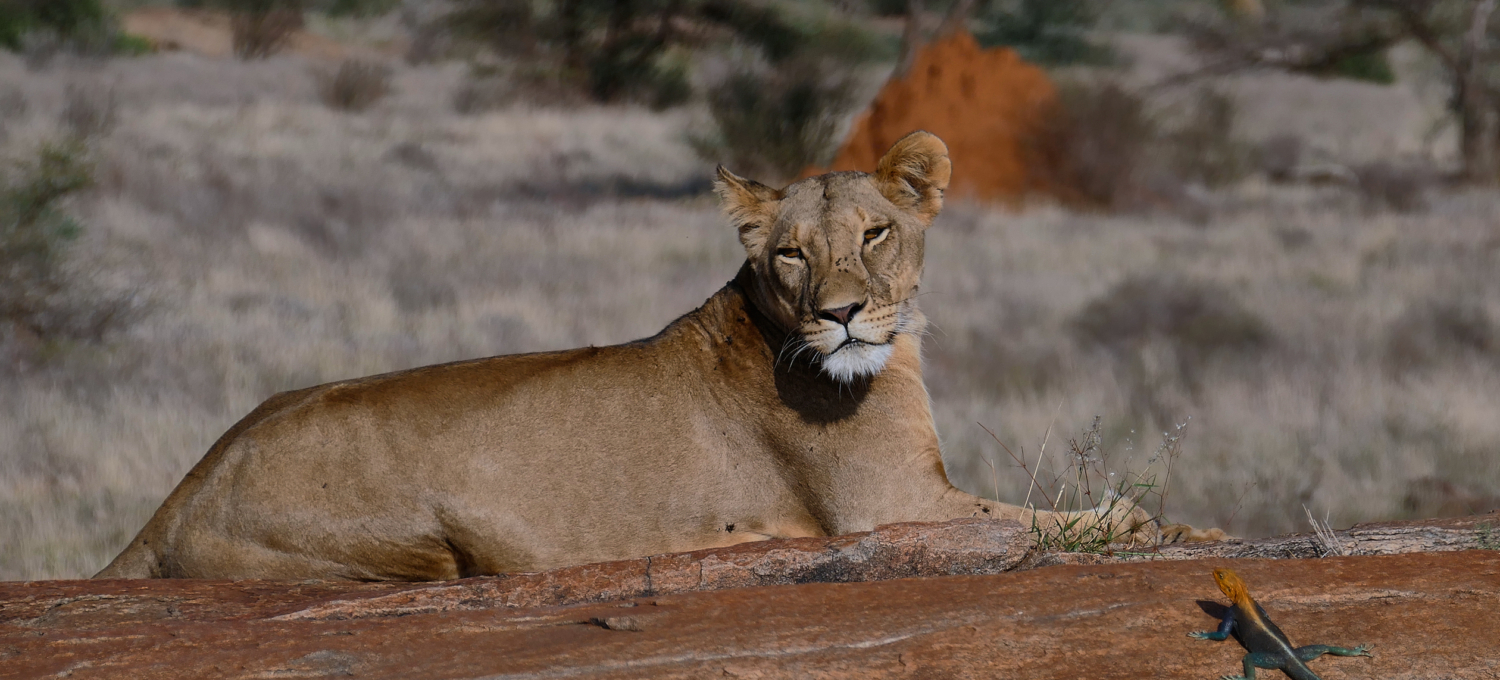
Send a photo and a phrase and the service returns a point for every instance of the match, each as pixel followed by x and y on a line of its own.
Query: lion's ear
pixel 914 174
pixel 752 207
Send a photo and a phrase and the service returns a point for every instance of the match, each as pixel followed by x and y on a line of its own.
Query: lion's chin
pixel 856 360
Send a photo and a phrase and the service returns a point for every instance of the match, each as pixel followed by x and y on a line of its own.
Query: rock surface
pixel 1429 615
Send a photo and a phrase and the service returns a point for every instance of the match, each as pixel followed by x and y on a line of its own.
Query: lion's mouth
pixel 852 341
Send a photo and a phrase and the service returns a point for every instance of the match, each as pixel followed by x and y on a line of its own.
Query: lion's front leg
pixel 1118 522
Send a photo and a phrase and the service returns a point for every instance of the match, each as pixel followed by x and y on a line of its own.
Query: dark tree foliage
pixel 1052 32
pixel 773 124
pixel 64 18
pixel 619 49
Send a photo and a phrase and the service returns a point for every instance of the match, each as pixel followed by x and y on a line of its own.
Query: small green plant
pixel 43 27
pixel 37 291
pixel 65 19
pixel 1100 497
pixel 1487 537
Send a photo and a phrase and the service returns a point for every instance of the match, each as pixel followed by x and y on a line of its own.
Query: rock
pixel 965 546
pixel 1428 615
pixel 985 104
pixel 791 608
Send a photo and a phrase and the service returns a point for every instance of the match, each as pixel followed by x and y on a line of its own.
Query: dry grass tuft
pixel 1328 541
pixel 355 86
pixel 263 28
pixel 1388 186
pixel 1435 331
pixel 90 112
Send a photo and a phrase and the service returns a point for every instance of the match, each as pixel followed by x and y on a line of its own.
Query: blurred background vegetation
pixel 1270 219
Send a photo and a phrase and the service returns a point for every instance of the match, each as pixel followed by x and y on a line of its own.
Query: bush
pixel 635 50
pixel 12 103
pixel 1104 148
pixel 1200 320
pixel 1384 185
pixel 1198 316
pixel 1203 147
pixel 772 123
pixel 1095 147
pixel 65 19
pixel 355 8
pixel 36 291
pixel 487 89
pixel 1433 331
pixel 261 28
pixel 1049 32
pixel 42 28
pixel 356 86
pixel 1370 65
pixel 1280 156
pixel 88 113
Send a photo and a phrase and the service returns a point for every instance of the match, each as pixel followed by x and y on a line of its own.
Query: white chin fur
pixel 856 361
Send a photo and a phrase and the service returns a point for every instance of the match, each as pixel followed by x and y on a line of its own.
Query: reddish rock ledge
pixel 1429 615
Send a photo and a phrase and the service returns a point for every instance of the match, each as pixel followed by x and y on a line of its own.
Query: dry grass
pixel 356 85
pixel 283 244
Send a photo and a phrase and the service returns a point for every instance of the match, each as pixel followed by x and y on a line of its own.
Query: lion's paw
pixel 1182 533
pixel 1133 525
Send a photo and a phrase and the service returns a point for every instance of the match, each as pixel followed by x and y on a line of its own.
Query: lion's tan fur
pixel 721 429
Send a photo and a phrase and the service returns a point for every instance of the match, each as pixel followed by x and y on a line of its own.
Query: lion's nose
pixel 841 314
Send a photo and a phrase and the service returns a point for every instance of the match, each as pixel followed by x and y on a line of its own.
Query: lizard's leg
pixel 1311 652
pixel 1252 661
pixel 1225 627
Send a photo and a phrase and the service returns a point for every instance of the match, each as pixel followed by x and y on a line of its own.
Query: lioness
pixel 790 404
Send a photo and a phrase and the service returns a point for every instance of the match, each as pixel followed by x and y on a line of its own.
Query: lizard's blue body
pixel 1268 646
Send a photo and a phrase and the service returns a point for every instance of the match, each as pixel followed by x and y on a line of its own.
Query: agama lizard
pixel 1268 646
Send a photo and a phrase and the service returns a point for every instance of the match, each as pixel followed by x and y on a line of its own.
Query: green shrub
pixel 354 8
pixel 1370 65
pixel 39 292
pixel 1050 32
pixel 132 45
pixel 634 50
pixel 68 21
pixel 35 233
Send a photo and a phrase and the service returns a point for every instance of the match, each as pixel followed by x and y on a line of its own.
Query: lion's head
pixel 837 257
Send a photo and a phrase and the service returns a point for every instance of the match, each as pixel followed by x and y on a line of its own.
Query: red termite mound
pixel 986 104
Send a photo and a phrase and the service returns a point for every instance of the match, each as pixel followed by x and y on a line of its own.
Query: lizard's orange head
pixel 1230 583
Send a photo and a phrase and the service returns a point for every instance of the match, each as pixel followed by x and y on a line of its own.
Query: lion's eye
pixel 873 235
pixel 790 253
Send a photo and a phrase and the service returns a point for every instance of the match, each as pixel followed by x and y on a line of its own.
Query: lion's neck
pixel 875 434
pixel 757 358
